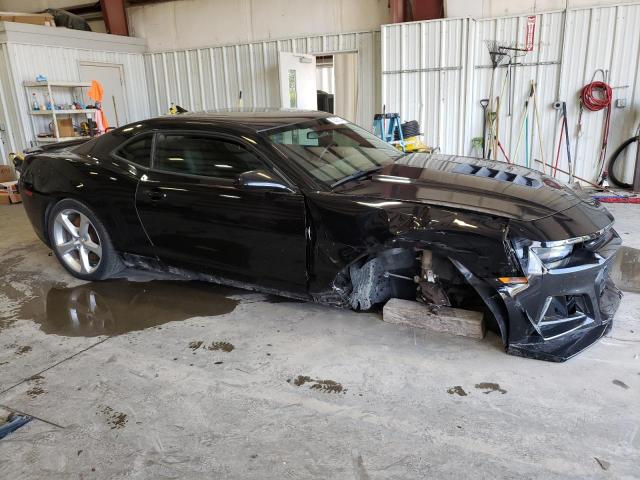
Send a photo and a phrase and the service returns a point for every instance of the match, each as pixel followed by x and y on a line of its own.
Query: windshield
pixel 331 149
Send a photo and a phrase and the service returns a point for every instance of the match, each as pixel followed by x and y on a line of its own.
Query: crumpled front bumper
pixel 560 312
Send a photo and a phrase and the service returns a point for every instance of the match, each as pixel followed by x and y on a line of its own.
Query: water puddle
pixel 119 306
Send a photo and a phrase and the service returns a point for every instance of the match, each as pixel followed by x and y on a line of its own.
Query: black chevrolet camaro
pixel 308 205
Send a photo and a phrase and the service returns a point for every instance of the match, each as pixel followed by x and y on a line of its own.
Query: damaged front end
pixel 546 299
pixel 566 301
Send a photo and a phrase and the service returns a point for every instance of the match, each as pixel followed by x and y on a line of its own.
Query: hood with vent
pixel 494 188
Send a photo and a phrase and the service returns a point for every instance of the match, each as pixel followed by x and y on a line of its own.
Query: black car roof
pixel 255 119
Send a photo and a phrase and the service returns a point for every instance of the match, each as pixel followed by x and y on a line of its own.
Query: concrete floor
pixel 130 393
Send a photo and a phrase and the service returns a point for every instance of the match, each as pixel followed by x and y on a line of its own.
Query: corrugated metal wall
pixel 438 71
pixel 425 77
pixel 62 64
pixel 9 121
pixel 211 78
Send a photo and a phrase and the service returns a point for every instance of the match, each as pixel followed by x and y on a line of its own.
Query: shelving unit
pixel 62 139
pixel 54 114
pixel 62 112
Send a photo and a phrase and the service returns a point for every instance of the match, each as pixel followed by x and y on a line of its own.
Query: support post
pixel 115 17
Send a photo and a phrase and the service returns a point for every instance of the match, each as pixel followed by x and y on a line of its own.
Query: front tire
pixel 81 243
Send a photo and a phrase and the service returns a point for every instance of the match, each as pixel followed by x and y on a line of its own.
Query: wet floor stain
pixel 119 306
pixel 620 383
pixel 490 387
pixel 457 390
pixel 114 419
pixel 326 386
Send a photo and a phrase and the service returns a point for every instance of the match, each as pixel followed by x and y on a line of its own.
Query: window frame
pixel 269 165
pixel 135 138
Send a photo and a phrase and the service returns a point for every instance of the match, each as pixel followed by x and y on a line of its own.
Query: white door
pixel 111 78
pixel 298 81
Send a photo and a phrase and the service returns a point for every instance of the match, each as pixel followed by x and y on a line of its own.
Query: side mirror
pixel 261 180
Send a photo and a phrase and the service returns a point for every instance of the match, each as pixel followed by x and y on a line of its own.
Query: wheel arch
pixel 491 299
pixel 57 198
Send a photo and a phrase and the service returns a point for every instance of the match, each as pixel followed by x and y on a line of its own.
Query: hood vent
pixel 480 171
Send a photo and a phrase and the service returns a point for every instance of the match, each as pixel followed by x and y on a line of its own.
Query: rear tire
pixel 81 243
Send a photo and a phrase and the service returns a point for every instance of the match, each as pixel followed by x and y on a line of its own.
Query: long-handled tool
pixel 495 125
pixel 567 140
pixel 599 187
pixel 537 120
pixel 564 132
pixel 525 115
pixel 495 139
pixel 484 103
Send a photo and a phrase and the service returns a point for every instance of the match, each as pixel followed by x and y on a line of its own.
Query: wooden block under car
pixel 456 321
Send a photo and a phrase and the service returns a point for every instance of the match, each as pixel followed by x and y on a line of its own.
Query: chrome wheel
pixel 76 241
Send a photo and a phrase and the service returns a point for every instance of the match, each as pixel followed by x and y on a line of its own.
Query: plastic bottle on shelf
pixel 35 104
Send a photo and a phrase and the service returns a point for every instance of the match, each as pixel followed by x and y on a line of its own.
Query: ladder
pixel 385 125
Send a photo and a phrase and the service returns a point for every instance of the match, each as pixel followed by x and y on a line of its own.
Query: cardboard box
pixel 45 19
pixel 10 191
pixel 65 127
pixel 6 173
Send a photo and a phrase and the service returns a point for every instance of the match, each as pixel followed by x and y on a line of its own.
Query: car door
pixel 199 217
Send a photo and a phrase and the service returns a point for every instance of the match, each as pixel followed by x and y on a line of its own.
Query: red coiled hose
pixel 596 96
pixel 593 102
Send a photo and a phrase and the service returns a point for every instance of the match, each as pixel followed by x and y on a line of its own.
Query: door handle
pixel 156 194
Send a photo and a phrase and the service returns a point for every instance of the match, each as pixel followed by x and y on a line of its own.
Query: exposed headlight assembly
pixel 553 257
pixel 535 255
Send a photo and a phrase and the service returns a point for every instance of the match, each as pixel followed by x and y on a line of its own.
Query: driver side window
pixel 196 154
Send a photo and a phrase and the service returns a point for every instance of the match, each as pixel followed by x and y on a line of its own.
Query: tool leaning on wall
pixel 594 96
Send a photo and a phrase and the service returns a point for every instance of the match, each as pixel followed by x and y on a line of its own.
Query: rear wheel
pixel 81 243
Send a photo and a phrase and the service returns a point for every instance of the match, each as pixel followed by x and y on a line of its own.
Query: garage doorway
pixel 297 80
pixel 111 76
pixel 337 84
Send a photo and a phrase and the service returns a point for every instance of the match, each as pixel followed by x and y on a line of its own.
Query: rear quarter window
pixel 137 151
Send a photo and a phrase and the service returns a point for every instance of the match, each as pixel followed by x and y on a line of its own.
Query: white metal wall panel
pixel 542 66
pixel 62 64
pixel 8 107
pixel 212 78
pixel 607 38
pixel 424 77
pixel 420 80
